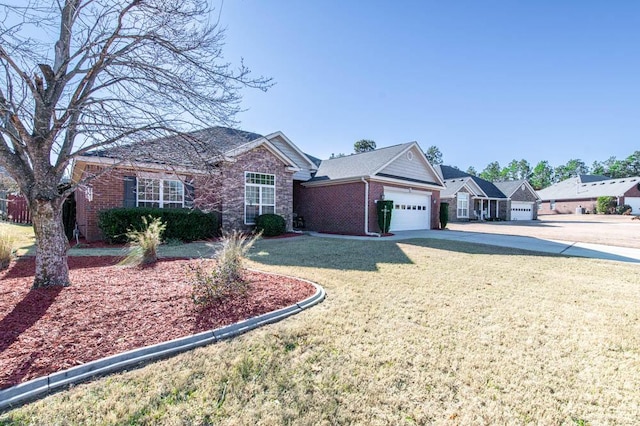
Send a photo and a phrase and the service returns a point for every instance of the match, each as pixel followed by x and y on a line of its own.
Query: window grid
pixel 463 205
pixel 260 196
pixel 160 193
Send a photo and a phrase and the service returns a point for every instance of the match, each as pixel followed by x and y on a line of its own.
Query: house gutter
pixel 366 210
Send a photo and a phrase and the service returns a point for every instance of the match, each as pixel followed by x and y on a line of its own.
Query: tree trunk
pixel 51 244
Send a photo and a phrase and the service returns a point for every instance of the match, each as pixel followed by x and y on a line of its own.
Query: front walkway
pixel 569 248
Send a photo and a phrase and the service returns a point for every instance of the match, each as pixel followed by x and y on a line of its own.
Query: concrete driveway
pixel 620 231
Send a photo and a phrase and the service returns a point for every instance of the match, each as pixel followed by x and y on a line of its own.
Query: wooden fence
pixel 15 208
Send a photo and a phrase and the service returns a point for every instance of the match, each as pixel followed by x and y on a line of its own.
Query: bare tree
pixel 78 75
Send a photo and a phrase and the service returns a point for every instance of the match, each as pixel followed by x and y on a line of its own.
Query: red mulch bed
pixel 110 309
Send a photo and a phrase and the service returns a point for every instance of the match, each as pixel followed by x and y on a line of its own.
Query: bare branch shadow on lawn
pixel 330 253
pixel 364 255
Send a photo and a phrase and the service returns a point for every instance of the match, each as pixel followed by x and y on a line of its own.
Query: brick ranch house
pixel 473 198
pixel 241 175
pixel 582 192
pixel 341 196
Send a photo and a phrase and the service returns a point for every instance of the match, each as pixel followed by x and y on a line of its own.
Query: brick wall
pixel 259 160
pixel 333 208
pixel 633 192
pixel 340 208
pixel 568 206
pixel 103 193
pixel 223 193
pixel 376 189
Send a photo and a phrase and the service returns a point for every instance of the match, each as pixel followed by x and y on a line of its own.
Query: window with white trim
pixel 259 195
pixel 163 193
pixel 463 204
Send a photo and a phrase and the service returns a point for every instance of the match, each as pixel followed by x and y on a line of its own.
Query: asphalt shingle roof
pixel 188 149
pixel 356 165
pixel 576 189
pixel 508 187
pixel 489 188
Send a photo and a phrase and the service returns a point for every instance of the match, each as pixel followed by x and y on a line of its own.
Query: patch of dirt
pixel 109 309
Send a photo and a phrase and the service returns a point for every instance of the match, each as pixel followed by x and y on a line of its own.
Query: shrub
pixel 384 209
pixel 182 224
pixel 227 276
pixel 6 250
pixel 606 205
pixel 444 215
pixel 271 225
pixel 624 209
pixel 144 244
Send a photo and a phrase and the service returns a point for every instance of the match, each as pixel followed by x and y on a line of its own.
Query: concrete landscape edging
pixel 42 386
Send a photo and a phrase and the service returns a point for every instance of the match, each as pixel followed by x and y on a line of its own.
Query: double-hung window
pixel 259 195
pixel 463 204
pixel 163 193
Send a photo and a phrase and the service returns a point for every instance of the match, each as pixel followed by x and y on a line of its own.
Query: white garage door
pixel 411 210
pixel 634 202
pixel 521 210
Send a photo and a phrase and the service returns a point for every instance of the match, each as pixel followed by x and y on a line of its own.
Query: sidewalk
pixel 568 248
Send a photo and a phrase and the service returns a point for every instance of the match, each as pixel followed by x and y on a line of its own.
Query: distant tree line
pixel 540 176
pixel 544 174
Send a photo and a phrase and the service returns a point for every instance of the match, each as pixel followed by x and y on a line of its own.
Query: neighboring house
pixel 523 199
pixel 242 175
pixel 342 195
pixel 582 192
pixel 246 175
pixel 473 198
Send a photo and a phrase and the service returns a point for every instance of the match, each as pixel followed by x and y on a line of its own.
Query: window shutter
pixel 129 191
pixel 189 195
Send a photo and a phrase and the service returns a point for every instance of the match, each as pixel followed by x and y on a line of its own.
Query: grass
pixel 22 235
pixel 417 332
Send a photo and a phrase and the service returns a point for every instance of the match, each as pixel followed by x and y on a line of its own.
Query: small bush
pixel 444 215
pixel 271 225
pixel 6 250
pixel 182 224
pixel 144 244
pixel 624 209
pixel 384 209
pixel 606 205
pixel 227 276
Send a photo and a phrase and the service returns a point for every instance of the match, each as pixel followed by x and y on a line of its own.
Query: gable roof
pixel 356 165
pixel 453 186
pixel 579 188
pixel 207 144
pixel 204 147
pixel 509 187
pixel 451 174
pixel 370 164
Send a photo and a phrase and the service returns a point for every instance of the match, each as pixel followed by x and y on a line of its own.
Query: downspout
pixel 366 210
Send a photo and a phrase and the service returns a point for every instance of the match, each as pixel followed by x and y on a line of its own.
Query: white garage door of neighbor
pixel 521 210
pixel 411 210
pixel 634 202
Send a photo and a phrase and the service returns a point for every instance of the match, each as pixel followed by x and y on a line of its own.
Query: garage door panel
pixel 411 210
pixel 634 202
pixel 521 211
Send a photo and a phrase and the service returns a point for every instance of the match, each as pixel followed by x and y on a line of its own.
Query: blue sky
pixel 482 80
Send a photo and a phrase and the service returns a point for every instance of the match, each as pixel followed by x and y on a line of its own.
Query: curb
pixel 37 388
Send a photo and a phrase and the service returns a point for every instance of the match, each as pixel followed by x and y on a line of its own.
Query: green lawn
pixel 22 235
pixel 417 332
